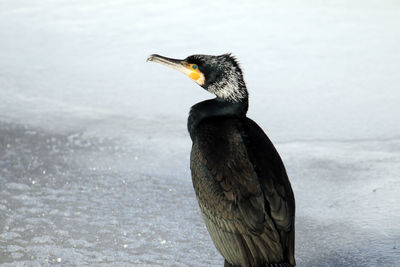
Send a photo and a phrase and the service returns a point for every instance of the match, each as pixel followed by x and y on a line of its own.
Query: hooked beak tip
pixel 150 58
pixel 164 60
pixel 155 58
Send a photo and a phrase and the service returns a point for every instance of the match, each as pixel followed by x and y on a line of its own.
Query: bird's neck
pixel 215 108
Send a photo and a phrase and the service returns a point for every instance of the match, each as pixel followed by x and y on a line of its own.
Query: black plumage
pixel 241 184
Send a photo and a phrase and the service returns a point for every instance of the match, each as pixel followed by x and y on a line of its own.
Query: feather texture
pixel 243 192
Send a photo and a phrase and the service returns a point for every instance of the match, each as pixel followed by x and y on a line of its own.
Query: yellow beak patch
pixel 194 75
pixel 189 69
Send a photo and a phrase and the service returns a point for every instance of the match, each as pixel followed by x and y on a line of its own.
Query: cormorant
pixel 240 181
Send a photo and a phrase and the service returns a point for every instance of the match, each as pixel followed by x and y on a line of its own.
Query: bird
pixel 241 184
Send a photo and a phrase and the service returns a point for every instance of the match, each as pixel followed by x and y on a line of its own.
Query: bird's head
pixel 220 75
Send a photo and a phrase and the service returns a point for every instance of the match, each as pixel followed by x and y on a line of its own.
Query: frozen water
pixel 94 153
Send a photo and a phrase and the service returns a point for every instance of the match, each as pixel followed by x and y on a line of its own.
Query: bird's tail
pixel 282 264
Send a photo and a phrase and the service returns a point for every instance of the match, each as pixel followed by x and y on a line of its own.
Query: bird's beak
pixel 169 62
pixel 180 65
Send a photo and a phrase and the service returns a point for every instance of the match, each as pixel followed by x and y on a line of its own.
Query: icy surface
pixel 94 153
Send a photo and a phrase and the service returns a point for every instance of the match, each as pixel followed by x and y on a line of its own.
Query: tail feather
pixel 282 264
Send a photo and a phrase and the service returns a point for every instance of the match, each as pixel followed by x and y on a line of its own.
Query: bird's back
pixel 243 192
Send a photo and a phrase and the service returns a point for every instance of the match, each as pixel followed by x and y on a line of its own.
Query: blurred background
pixel 94 151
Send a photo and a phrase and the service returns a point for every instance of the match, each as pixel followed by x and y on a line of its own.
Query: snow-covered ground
pixel 94 153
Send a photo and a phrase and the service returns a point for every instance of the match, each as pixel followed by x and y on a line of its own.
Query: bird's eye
pixel 194 66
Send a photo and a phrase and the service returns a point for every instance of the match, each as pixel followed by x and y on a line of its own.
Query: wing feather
pixel 243 191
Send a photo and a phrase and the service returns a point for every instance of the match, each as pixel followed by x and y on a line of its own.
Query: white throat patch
pixel 231 86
